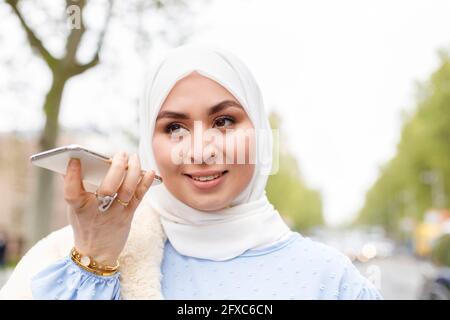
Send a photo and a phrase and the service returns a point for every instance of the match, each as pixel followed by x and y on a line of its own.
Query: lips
pixel 206 179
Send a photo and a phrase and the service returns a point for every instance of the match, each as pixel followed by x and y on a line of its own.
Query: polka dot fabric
pixel 296 268
pixel 64 280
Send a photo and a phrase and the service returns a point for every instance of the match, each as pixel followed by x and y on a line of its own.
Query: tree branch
pixel 33 40
pixel 80 68
pixel 74 38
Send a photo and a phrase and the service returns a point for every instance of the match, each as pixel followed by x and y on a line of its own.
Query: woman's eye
pixel 223 122
pixel 176 128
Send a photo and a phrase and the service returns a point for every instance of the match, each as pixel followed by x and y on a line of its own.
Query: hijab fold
pixel 251 221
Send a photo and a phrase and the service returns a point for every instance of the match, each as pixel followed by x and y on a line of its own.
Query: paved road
pixel 398 277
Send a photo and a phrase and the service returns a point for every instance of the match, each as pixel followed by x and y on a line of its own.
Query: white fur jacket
pixel 140 261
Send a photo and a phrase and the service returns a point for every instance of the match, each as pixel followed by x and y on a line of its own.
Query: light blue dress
pixel 295 268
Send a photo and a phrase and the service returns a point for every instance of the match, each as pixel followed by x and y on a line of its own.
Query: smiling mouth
pixel 205 178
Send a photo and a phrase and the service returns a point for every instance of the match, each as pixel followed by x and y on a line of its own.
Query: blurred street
pixel 401 277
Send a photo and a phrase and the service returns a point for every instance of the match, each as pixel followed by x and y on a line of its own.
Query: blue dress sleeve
pixel 354 286
pixel 368 292
pixel 65 280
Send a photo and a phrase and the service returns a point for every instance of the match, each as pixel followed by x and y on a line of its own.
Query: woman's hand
pixel 103 235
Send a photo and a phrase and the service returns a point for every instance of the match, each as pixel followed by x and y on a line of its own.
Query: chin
pixel 207 203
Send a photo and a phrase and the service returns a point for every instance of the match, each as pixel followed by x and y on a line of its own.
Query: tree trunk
pixel 42 203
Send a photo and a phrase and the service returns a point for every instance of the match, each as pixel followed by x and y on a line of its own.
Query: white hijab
pixel 251 221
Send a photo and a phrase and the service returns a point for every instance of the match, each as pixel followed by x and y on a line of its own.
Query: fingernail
pixel 73 162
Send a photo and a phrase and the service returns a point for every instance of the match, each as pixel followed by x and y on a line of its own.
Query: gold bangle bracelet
pixel 88 264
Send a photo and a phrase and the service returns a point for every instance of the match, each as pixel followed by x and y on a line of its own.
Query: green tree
pixel 418 177
pixel 440 254
pixel 287 191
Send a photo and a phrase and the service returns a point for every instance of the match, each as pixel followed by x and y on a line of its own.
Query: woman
pixel 209 231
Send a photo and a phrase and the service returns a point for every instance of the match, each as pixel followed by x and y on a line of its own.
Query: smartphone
pixel 94 165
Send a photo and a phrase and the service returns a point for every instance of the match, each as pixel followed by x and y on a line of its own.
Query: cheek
pixel 240 177
pixel 162 154
pixel 240 147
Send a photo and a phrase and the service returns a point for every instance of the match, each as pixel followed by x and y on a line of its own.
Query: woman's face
pixel 203 147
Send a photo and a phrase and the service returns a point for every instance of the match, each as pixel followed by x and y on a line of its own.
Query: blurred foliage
pixel 401 189
pixel 286 190
pixel 441 251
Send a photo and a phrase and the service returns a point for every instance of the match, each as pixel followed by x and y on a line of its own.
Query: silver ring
pixel 104 202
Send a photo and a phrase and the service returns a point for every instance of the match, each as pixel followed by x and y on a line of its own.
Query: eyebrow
pixel 214 109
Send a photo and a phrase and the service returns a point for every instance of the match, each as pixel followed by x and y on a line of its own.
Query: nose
pixel 204 145
pixel 206 153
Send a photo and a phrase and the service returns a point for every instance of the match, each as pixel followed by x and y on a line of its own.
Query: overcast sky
pixel 339 73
